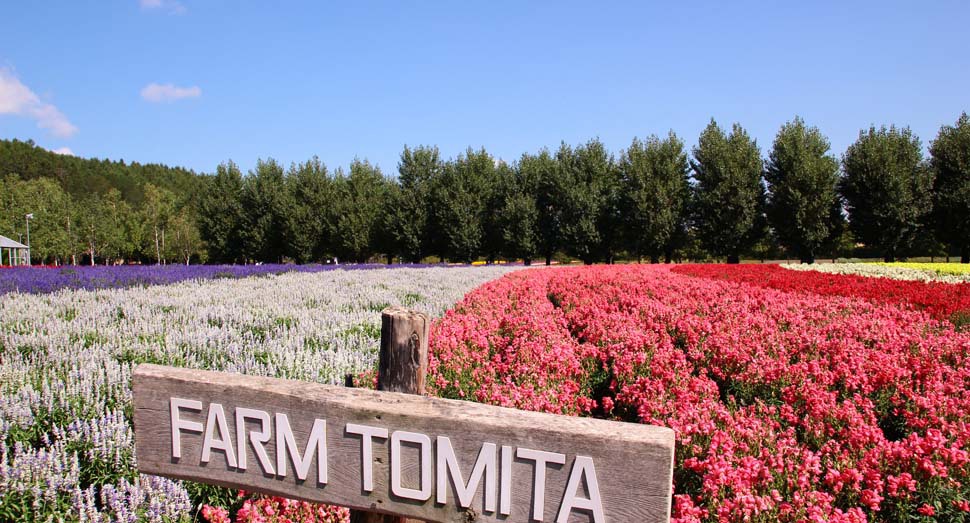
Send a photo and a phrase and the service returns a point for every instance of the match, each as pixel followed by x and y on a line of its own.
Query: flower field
pixel 66 359
pixel 795 396
pixel 938 272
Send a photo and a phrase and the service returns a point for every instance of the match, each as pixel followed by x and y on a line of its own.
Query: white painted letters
pixel 423 493
pixel 178 424
pixel 316 444
pixel 506 504
pixel 217 421
pixel 256 438
pixel 495 472
pixel 541 458
pixel 582 467
pixel 367 433
pixel 448 465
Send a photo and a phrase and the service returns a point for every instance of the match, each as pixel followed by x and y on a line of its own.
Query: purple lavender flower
pixel 42 280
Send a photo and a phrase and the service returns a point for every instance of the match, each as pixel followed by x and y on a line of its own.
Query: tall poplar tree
pixel 360 200
pixel 587 192
pixel 519 216
pixel 410 219
pixel 541 179
pixel 655 176
pixel 729 193
pixel 459 204
pixel 802 188
pixel 951 192
pixel 887 189
pixel 311 194
pixel 221 214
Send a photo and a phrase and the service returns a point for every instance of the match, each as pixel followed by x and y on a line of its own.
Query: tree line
pixel 654 200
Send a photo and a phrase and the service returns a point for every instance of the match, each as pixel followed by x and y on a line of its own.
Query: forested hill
pixel 80 177
pixel 87 210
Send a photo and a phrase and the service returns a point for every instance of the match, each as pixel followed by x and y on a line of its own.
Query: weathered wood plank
pixel 631 463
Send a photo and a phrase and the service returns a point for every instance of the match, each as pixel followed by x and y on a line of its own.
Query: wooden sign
pixel 398 454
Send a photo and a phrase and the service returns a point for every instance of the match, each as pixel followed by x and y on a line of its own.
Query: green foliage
pixel 85 207
pixel 79 177
pixel 157 211
pixel 221 213
pixel 360 200
pixel 105 227
pixel 519 222
pixel 539 176
pixel 578 202
pixel 887 188
pixel 265 205
pixel 52 210
pixel 951 203
pixel 310 193
pixel 655 175
pixel 500 182
pixel 588 201
pixel 409 217
pixel 729 194
pixel 802 180
pixel 459 202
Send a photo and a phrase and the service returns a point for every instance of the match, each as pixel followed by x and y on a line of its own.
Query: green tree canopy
pixel 51 208
pixel 265 204
pixel 655 176
pixel 409 218
pixel 311 195
pixel 360 199
pixel 802 182
pixel 518 214
pixel 587 190
pixel 539 175
pixel 729 193
pixel 221 214
pixel 951 195
pixel 887 189
pixel 459 198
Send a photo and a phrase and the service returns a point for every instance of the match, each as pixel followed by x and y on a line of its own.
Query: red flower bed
pixel 942 300
pixel 788 406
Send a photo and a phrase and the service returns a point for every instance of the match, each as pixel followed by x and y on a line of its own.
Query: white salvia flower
pixel 69 355
pixel 880 271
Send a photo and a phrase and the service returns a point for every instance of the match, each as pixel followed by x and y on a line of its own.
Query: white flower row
pixel 879 271
pixel 66 360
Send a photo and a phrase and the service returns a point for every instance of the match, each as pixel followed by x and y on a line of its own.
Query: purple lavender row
pixel 42 280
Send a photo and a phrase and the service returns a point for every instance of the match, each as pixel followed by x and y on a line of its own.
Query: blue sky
pixel 196 82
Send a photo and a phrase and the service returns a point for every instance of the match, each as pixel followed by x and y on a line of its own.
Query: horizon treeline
pixel 723 198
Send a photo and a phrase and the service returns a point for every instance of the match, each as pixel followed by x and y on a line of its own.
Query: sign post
pixel 402 367
pixel 389 455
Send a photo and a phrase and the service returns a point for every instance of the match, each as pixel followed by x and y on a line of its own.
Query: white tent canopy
pixel 13 253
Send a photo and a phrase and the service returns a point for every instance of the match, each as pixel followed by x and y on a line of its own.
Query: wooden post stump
pixel 402 365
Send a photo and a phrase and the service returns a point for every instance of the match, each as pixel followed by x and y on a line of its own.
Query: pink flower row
pixel 788 406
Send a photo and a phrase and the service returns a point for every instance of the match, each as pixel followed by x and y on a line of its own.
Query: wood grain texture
pixel 634 463
pixel 403 362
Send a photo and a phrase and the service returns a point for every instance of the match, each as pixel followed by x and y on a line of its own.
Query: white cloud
pixel 168 92
pixel 17 99
pixel 63 150
pixel 172 6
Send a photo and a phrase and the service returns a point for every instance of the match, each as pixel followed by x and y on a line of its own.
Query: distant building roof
pixel 7 243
